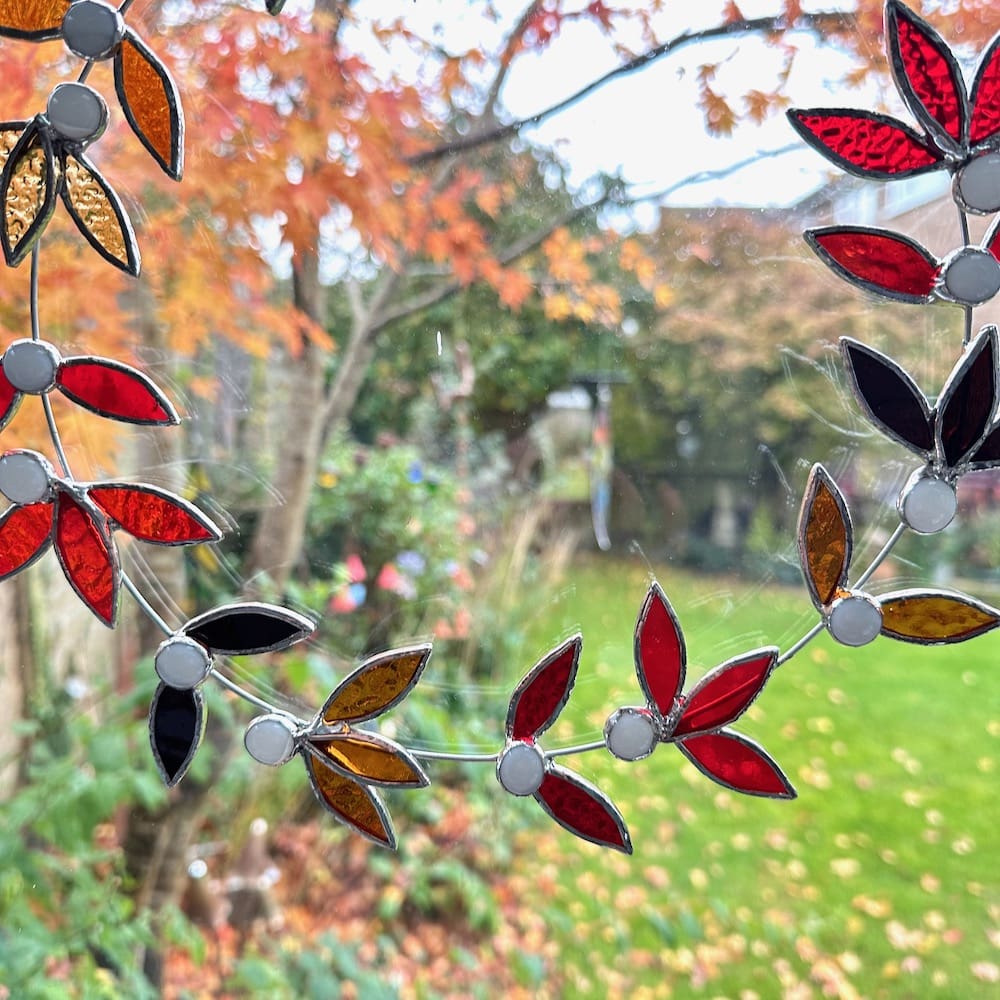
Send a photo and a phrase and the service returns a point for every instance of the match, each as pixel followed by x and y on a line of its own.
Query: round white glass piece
pixel 972 276
pixel 270 739
pixel 630 733
pixel 521 769
pixel 77 112
pixel 91 29
pixel 31 365
pixel 928 505
pixel 855 620
pixel 181 662
pixel 978 183
pixel 25 477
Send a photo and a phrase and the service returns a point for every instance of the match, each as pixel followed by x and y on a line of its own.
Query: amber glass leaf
pixel 36 20
pixel 99 215
pixel 379 683
pixel 824 537
pixel 935 618
pixel 353 804
pixel 28 183
pixel 371 758
pixel 151 104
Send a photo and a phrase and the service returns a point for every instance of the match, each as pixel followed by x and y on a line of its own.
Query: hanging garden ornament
pixel 94 30
pixel 852 616
pixel 959 129
pixel 695 721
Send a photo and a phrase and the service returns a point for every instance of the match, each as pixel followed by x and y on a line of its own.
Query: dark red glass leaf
pixel 991 241
pixel 88 559
pixel 154 515
pixel 541 695
pixel 969 398
pixel 889 397
pixel 987 455
pixel 176 726
pixel 738 763
pixel 660 657
pixel 242 629
pixel 865 144
pixel 878 261
pixel 985 122
pixel 582 809
pixel 926 72
pixel 10 399
pixel 723 695
pixel 24 533
pixel 114 390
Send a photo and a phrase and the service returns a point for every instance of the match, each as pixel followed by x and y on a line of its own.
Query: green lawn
pixel 880 880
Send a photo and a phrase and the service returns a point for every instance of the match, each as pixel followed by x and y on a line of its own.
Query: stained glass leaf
pixel 725 693
pixel 99 214
pixel 10 400
pixel 865 144
pixel 352 803
pixel 968 399
pixel 542 693
pixel 878 261
pixel 274 7
pixel 176 727
pixel 154 515
pixel 987 455
pixel 991 241
pixel 34 20
pixel 380 682
pixel 28 187
pixel 248 627
pixel 888 396
pixel 371 758
pixel 584 810
pixel 825 537
pixel 151 103
pixel 660 657
pixel 739 763
pixel 112 389
pixel 935 618
pixel 24 535
pixel 88 558
pixel 985 100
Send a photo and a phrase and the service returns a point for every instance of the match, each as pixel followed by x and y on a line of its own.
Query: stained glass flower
pixel 94 30
pixel 695 721
pixel 346 763
pixel 79 519
pixel 959 128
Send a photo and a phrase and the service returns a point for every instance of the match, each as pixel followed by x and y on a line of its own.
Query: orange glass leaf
pixel 36 20
pixel 371 757
pixel 379 683
pixel 351 803
pixel 29 183
pixel 934 618
pixel 824 537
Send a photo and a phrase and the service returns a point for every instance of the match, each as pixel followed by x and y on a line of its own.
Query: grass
pixel 880 880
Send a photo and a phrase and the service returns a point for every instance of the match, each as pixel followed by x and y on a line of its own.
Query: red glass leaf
pixel 114 390
pixel 660 657
pixel 24 534
pixel 723 695
pixel 154 515
pixel 985 121
pixel 88 558
pixel 878 261
pixel 889 397
pixel 541 695
pixel 991 241
pixel 865 144
pixel 969 398
pixel 10 399
pixel 737 763
pixel 926 73
pixel 582 809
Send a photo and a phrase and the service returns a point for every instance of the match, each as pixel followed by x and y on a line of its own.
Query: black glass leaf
pixel 240 629
pixel 889 397
pixel 969 399
pixel 176 725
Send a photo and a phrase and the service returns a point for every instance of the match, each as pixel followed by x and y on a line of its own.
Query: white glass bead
pixel 77 112
pixel 521 769
pixel 630 734
pixel 91 29
pixel 972 276
pixel 25 477
pixel 978 183
pixel 270 739
pixel 928 505
pixel 855 620
pixel 31 365
pixel 182 662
